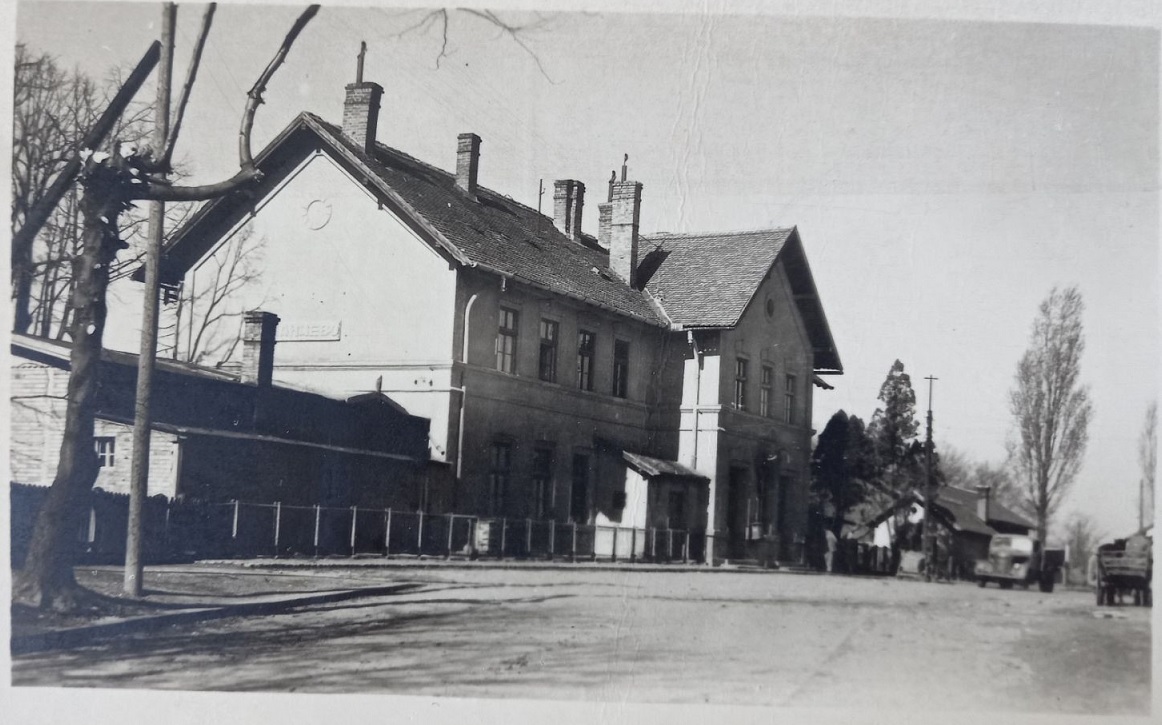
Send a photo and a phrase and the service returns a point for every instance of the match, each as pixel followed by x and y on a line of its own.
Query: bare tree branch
pixel 191 76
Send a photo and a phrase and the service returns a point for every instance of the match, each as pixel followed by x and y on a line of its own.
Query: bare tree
pixel 52 109
pixel 110 183
pixel 960 470
pixel 1050 407
pixel 1148 460
pixel 204 328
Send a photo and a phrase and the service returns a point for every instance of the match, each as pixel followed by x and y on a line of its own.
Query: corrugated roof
pixel 657 467
pixel 707 280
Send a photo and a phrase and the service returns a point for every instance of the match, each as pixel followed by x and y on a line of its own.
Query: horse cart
pixel 1121 570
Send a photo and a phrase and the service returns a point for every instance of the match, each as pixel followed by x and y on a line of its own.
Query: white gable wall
pixel 359 295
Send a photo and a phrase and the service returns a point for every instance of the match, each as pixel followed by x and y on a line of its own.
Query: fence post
pixel 387 532
pixel 277 524
pixel 354 516
pixel 633 544
pixel 451 525
pixel 165 531
pixel 552 537
pixel 503 535
pixel 686 548
pixel 654 544
pixel 420 533
pixel 528 537
pixel 234 528
pixel 613 554
pixel 317 514
pixel 670 544
pixel 573 546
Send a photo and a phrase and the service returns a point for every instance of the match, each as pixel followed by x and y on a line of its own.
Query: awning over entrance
pixel 656 467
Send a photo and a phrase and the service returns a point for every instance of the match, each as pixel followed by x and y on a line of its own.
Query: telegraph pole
pixel 929 494
pixel 142 418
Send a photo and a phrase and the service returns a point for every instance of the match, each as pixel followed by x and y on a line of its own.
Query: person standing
pixel 832 545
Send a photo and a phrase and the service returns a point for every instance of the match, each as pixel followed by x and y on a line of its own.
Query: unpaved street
pixel 731 638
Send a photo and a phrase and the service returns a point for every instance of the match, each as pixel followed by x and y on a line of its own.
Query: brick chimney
pixel 467 162
pixel 983 494
pixel 605 214
pixel 258 335
pixel 361 113
pixel 623 229
pixel 568 204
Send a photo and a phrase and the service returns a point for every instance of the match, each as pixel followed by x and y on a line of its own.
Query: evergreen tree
pixel 899 455
pixel 841 464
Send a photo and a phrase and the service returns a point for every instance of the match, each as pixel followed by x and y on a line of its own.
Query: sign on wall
pixel 310 331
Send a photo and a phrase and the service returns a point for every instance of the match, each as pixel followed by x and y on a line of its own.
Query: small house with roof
pixel 559 369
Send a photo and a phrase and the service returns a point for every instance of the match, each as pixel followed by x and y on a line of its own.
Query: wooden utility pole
pixel 929 495
pixel 143 418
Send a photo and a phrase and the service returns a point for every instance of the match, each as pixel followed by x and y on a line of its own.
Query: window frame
pixel 105 448
pixel 506 359
pixel 741 371
pixel 549 345
pixel 790 389
pixel 586 355
pixel 544 492
pixel 766 390
pixel 499 474
pixel 620 385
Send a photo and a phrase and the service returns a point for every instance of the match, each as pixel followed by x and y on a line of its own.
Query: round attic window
pixel 770 307
pixel 317 213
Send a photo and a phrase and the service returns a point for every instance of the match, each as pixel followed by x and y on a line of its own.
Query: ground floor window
pixel 677 509
pixel 105 447
pixel 498 476
pixel 579 499
pixel 542 482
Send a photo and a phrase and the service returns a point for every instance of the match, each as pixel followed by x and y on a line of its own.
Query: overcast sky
pixel 944 174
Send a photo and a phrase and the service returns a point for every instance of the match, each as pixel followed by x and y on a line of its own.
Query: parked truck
pixel 1019 560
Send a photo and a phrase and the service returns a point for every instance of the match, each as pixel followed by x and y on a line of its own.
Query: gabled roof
pixel 997 511
pixel 709 280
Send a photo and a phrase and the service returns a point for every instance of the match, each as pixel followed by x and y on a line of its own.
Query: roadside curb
pixel 80 636
pixel 458 564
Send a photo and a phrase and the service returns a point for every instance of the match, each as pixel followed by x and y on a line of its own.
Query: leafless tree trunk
pixel 110 183
pixel 1050 406
pixel 1148 459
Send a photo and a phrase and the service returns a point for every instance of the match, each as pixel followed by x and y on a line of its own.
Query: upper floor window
pixel 547 364
pixel 105 447
pixel 789 399
pixel 621 368
pixel 586 343
pixel 740 369
pixel 768 381
pixel 498 476
pixel 506 341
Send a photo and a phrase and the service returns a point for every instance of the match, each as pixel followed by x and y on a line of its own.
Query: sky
pixel 944 172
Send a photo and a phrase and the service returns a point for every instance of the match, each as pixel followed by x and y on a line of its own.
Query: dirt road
pixel 570 634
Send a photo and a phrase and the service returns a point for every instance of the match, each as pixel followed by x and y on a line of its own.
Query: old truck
pixel 1019 560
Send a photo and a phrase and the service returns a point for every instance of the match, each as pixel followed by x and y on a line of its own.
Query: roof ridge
pixel 736 232
pixel 380 146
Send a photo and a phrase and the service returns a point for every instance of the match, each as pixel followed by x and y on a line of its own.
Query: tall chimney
pixel 605 214
pixel 361 112
pixel 467 162
pixel 983 493
pixel 258 335
pixel 623 230
pixel 568 204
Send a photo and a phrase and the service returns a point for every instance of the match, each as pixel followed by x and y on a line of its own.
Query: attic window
pixel 770 307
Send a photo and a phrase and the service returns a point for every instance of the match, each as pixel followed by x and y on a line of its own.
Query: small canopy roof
pixel 657 468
